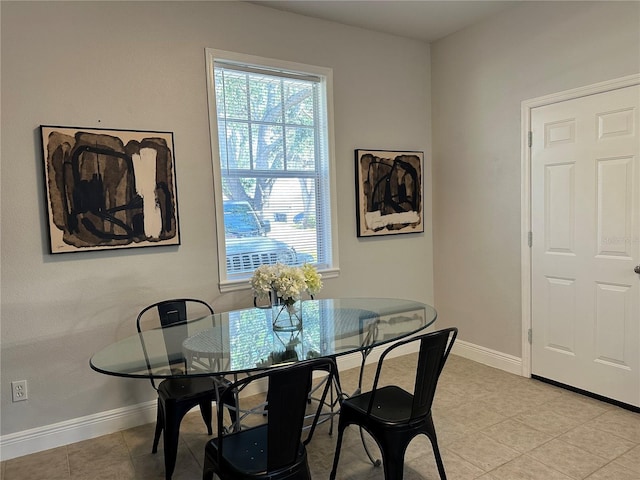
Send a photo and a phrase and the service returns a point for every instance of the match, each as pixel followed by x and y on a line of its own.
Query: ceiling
pixel 423 20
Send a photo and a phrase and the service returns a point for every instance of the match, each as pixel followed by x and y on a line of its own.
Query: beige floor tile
pixel 455 466
pixel 596 441
pixel 586 399
pixel 139 440
pixel 151 467
pixel 631 460
pixel 525 468
pixel 516 435
pixel 448 430
pixel 474 418
pixel 38 466
pixel 614 471
pixel 509 405
pixel 107 445
pixel 447 399
pixel 105 457
pixel 482 451
pixel 353 462
pixel 577 407
pixel 534 391
pixel 546 420
pixel 419 447
pixel 623 423
pixel 568 459
pixel 104 469
pixel 469 391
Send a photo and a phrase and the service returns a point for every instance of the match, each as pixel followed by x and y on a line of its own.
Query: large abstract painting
pixel 109 189
pixel 389 192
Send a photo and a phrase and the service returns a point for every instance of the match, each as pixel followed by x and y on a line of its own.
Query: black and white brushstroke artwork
pixel 109 189
pixel 389 192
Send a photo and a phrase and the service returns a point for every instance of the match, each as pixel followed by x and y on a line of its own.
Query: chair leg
pixel 159 427
pixel 207 474
pixel 436 452
pixel 207 470
pixel 232 408
pixel 336 456
pixel 205 411
pixel 431 433
pixel 374 462
pixel 171 432
pixel 172 418
pixel 392 461
pixel 331 403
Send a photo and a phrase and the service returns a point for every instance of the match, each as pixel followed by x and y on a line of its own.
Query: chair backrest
pixel 287 400
pixel 172 313
pixel 434 351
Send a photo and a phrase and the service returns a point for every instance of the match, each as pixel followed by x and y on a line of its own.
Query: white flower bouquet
pixel 288 283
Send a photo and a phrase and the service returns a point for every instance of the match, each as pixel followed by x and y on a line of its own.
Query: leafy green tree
pixel 265 131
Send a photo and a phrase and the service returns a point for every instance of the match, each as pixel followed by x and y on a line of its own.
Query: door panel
pixel 585 217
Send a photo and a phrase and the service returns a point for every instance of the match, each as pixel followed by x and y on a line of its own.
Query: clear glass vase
pixel 287 314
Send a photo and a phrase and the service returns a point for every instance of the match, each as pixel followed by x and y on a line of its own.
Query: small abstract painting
pixel 389 192
pixel 109 189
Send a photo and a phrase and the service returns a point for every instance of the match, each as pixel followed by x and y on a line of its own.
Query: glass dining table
pixel 243 341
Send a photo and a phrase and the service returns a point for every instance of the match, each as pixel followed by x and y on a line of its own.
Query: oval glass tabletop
pixel 245 340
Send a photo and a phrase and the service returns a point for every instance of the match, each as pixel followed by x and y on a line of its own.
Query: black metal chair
pixel 273 449
pixel 393 416
pixel 176 396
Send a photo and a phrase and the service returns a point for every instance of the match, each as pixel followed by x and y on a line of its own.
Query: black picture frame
pixel 389 192
pixel 109 188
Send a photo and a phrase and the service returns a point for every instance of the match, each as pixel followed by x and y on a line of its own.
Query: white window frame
pixel 214 55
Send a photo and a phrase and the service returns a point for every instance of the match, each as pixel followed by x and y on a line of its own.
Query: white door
pixel 585 219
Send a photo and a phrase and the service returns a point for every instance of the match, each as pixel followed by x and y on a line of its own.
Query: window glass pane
pixel 299 102
pixel 300 149
pixel 234 145
pixel 268 147
pixel 266 98
pixel 222 139
pixel 273 137
pixel 242 188
pixel 231 95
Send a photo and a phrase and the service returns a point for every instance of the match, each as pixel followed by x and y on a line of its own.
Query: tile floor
pixel 491 426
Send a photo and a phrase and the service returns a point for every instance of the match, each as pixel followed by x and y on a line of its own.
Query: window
pixel 271 136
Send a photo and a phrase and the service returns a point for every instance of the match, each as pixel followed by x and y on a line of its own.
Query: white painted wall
pixel 480 76
pixel 141 66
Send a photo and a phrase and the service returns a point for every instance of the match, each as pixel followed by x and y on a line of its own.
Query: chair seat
pixel 185 388
pixel 391 405
pixel 246 451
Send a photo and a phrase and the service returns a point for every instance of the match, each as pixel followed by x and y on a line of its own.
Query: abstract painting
pixel 388 192
pixel 109 189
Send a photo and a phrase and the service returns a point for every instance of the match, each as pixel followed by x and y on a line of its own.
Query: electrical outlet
pixel 19 390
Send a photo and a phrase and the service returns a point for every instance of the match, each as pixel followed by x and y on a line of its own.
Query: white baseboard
pixel 84 428
pixel 75 430
pixel 486 356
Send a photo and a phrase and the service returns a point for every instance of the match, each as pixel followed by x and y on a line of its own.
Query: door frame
pixel 525 248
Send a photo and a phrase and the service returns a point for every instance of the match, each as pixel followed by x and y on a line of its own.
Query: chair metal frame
pixel 393 416
pixel 176 396
pixel 284 425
